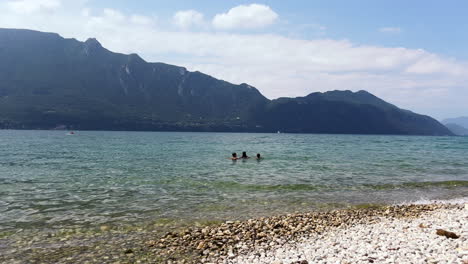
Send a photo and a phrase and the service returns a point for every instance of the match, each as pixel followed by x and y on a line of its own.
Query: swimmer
pixel 234 156
pixel 244 155
pixel 259 157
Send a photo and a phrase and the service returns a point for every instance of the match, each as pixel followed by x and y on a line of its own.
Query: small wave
pixel 462 200
pixel 446 184
pixel 313 187
pixel 16 181
pixel 261 187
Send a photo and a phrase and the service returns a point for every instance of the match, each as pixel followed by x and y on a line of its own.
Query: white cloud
pixel 141 20
pixel 245 17
pixel 113 14
pixel 390 30
pixel 86 12
pixel 277 65
pixel 433 64
pixel 32 6
pixel 187 19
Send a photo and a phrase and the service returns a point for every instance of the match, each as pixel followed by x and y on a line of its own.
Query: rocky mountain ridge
pixel 48 81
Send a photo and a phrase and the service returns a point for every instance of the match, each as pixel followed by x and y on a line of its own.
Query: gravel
pixel 423 233
pixel 389 240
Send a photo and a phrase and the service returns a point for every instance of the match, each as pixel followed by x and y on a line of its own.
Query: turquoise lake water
pixel 51 180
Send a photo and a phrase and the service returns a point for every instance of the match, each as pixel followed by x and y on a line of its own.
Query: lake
pixel 52 180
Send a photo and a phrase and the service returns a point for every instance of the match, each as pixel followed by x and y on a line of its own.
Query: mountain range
pixel 461 121
pixel 47 82
pixel 459 125
pixel 457 129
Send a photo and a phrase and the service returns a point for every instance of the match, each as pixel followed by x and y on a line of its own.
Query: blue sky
pixel 411 53
pixel 434 25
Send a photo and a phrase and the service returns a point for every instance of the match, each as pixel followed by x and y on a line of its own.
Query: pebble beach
pixel 417 233
pixel 386 240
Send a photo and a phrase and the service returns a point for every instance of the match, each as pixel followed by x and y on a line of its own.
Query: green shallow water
pixel 51 180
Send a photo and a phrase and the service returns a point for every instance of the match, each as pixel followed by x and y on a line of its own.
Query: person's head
pixel 244 154
pixel 258 155
pixel 234 155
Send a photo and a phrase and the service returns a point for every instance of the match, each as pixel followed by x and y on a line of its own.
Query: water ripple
pixel 51 180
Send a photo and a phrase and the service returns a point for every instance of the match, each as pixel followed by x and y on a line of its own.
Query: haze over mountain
pixel 461 121
pixel 48 81
pixel 459 125
pixel 457 129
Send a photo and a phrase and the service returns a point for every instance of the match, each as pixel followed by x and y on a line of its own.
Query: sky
pixel 413 54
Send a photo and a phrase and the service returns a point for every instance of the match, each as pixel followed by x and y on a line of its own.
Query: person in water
pixel 259 157
pixel 244 155
pixel 234 156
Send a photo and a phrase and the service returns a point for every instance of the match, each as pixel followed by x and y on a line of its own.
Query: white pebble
pixel 388 241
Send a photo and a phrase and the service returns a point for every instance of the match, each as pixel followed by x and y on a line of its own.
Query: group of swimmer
pixel 244 156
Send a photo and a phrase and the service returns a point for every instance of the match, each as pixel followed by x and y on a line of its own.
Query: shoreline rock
pixel 250 241
pixel 388 240
pixel 220 243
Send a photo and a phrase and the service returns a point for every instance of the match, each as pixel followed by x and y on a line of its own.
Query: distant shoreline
pixel 223 131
